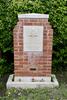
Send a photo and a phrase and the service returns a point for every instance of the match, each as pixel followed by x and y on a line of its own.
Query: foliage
pixel 37 94
pixel 5 68
pixel 58 19
pixel 7 21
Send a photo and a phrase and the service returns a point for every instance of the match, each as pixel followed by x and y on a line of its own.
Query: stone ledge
pixel 29 79
pixel 33 15
pixel 25 85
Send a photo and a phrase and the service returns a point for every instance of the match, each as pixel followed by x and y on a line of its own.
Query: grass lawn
pixel 38 94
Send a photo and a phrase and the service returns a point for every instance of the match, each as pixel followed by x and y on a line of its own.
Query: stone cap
pixel 33 15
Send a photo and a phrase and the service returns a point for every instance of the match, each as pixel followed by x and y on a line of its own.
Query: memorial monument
pixel 32 39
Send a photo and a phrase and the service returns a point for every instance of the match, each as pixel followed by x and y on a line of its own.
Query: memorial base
pixel 34 83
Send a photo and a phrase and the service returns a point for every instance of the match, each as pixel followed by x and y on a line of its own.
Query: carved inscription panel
pixel 32 38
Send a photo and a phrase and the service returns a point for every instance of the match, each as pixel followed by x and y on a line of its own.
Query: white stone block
pixel 33 15
pixel 29 84
pixel 32 38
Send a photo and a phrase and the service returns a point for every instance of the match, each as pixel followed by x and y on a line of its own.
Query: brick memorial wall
pixel 32 58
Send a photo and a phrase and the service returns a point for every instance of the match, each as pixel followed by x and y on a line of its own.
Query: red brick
pixel 43 62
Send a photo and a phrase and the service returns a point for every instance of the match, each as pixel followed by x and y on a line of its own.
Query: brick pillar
pixel 44 60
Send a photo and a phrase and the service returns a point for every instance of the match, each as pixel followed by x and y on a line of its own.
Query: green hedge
pixel 8 19
pixel 57 17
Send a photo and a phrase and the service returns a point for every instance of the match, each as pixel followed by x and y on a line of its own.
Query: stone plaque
pixel 32 38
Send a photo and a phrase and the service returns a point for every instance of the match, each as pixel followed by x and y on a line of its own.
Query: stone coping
pixel 33 15
pixel 10 83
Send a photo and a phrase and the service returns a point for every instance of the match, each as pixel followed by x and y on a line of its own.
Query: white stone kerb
pixel 33 15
